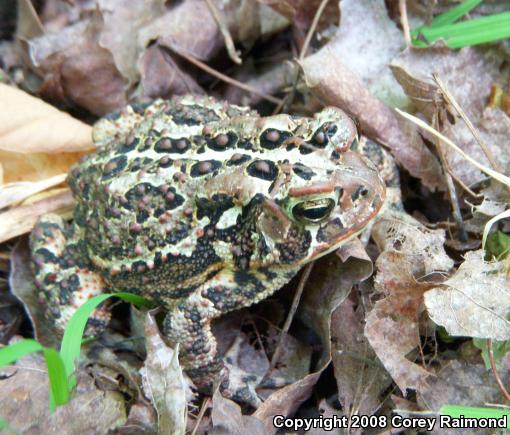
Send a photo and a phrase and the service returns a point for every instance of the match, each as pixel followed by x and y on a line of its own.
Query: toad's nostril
pixel 360 191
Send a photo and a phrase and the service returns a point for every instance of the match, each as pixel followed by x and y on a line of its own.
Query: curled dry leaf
pixel 120 29
pixel 336 84
pixel 475 301
pixel 24 403
pixel 177 29
pixel 286 400
pixel 76 69
pixel 227 418
pixel 21 219
pixel 468 75
pixel 163 382
pixel 17 192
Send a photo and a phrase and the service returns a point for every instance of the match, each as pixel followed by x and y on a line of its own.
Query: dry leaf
pixel 227 418
pixel 462 383
pixel 35 166
pixel 392 327
pixel 495 201
pixel 24 403
pixel 370 40
pixel 423 247
pixel 322 296
pixel 246 366
pixel 21 219
pixel 76 69
pixel 293 361
pixel 119 34
pixel 360 384
pixel 141 420
pixel 163 382
pixel 17 192
pixel 29 125
pixel 468 74
pixel 410 251
pixel 286 400
pixel 475 301
pixel 162 77
pixel 177 29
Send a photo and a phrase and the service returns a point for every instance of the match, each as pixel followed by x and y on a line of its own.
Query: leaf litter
pixel 367 321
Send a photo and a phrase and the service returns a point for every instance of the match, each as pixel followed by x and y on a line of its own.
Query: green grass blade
pixel 480 36
pixel 13 352
pixel 449 17
pixel 472 32
pixel 472 412
pixel 484 23
pixel 59 388
pixel 71 342
pixel 453 14
pixel 6 427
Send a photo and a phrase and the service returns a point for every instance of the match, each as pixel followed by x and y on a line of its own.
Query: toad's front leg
pixel 63 275
pixel 190 325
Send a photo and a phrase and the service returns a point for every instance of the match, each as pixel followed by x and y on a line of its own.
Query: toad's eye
pixel 313 211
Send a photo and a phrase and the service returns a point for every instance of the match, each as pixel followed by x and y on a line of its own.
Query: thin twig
pixel 225 78
pixel 311 30
pixel 461 183
pixel 292 311
pixel 452 191
pixel 451 100
pixel 205 405
pixel 402 6
pixel 229 43
pixel 502 178
pixel 495 372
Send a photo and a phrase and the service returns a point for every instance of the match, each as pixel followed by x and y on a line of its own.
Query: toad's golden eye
pixel 313 211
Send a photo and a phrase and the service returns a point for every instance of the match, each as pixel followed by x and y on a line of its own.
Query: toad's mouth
pixel 334 234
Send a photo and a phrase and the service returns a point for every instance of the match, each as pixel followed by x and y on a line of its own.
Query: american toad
pixel 204 208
